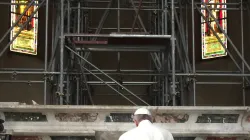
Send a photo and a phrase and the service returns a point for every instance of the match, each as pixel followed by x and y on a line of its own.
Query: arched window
pixel 26 41
pixel 210 31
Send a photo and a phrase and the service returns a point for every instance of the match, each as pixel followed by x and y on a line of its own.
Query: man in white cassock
pixel 145 130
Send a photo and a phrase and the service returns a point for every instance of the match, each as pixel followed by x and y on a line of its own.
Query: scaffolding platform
pixel 126 42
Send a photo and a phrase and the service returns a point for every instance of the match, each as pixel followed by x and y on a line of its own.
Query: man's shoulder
pixel 130 132
pixel 167 135
pixel 127 134
pixel 165 131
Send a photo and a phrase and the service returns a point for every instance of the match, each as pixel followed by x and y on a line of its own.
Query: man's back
pixel 147 131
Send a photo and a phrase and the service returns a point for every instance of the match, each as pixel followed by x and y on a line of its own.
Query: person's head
pixel 142 114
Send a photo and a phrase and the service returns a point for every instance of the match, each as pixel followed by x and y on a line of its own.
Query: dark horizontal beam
pixel 121 48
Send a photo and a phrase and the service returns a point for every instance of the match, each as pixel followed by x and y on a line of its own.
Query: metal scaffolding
pixel 172 74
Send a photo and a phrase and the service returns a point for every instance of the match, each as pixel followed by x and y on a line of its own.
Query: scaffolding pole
pixel 62 39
